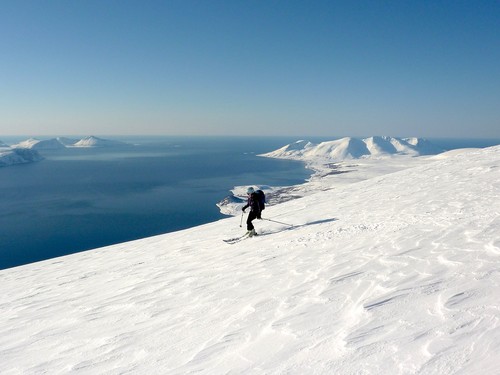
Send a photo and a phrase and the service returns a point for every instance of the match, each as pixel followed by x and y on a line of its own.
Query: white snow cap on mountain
pixel 92 141
pixel 37 144
pixel 62 142
pixel 353 148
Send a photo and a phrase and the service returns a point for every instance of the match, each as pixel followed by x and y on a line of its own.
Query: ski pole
pixel 241 221
pixel 279 222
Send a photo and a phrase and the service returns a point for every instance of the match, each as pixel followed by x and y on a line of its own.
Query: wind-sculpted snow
pixel 392 274
pixel 353 148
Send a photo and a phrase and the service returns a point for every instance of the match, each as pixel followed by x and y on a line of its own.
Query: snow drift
pixel 396 274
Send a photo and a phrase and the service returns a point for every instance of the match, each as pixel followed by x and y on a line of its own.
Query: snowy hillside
pixel 394 274
pixel 12 156
pixel 353 148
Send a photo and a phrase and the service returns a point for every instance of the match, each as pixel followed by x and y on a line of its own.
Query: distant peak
pixel 93 141
pixel 355 148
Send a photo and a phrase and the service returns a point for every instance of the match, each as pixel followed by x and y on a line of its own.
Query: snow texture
pixel 391 268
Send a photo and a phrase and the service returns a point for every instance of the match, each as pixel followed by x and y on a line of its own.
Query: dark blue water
pixel 79 199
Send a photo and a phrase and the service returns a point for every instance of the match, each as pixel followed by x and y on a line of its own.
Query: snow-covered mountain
pixel 37 144
pixel 353 148
pixel 63 142
pixel 12 156
pixel 393 274
pixel 27 151
pixel 92 141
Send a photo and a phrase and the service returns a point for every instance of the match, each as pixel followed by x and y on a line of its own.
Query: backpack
pixel 261 198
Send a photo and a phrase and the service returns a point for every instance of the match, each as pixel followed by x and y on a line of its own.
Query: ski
pixel 238 239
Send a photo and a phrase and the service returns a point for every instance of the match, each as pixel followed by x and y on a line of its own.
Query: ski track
pixel 394 287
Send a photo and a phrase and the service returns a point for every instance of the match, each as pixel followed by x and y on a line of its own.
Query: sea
pixel 78 199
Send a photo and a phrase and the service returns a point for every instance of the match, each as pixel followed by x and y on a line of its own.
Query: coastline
pixel 320 174
pixel 98 197
pixel 332 164
pixel 326 174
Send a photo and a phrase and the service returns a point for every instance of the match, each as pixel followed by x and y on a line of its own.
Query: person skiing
pixel 255 210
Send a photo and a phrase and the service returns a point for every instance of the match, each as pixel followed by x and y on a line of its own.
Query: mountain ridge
pixel 354 148
pixel 63 142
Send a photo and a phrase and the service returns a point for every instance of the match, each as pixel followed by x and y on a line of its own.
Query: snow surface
pixel 393 274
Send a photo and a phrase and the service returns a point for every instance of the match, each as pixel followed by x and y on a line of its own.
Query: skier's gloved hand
pixel 243 209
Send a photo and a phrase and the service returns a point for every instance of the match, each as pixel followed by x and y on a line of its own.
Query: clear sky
pixel 319 68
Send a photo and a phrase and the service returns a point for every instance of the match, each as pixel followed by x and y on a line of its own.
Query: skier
pixel 255 210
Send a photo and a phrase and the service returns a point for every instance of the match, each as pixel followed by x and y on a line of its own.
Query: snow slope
pixel 394 274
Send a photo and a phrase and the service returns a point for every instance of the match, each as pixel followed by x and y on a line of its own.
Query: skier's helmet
pixel 250 190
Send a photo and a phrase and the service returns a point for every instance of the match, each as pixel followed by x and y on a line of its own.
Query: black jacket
pixel 253 203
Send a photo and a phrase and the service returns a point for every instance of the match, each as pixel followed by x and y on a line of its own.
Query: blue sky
pixel 318 68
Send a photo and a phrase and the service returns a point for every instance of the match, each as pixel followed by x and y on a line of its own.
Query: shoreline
pixel 325 175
